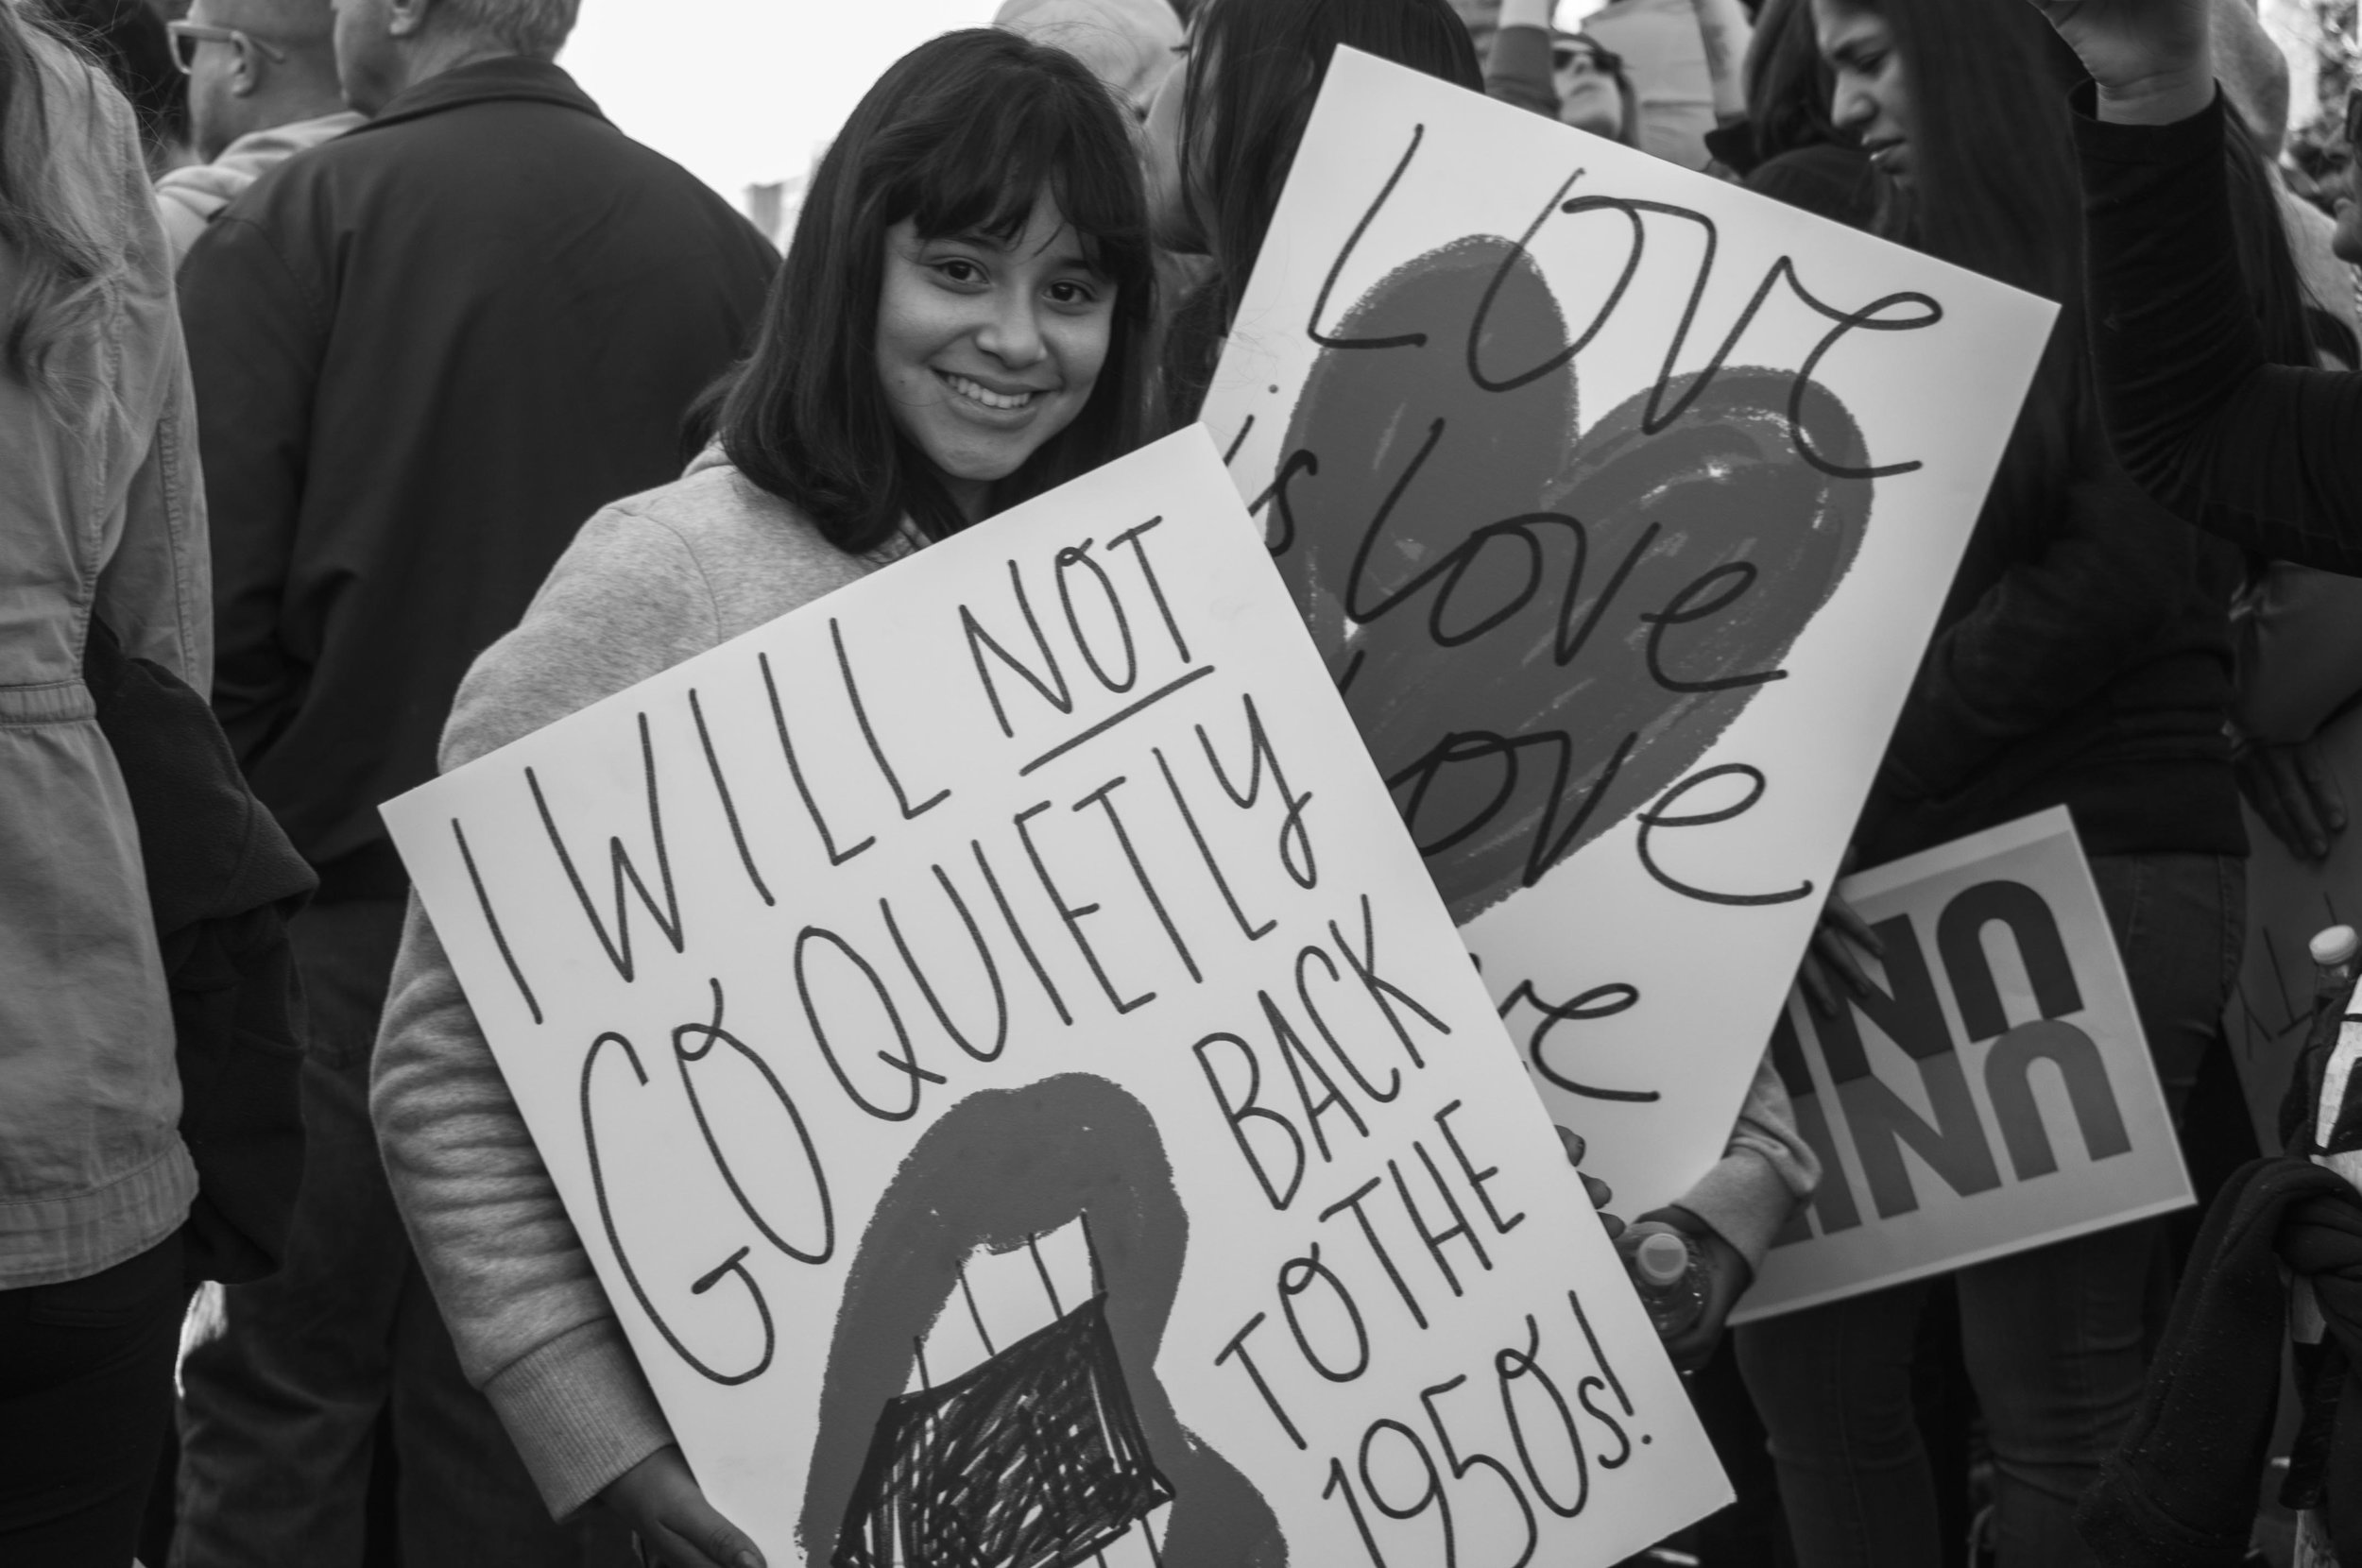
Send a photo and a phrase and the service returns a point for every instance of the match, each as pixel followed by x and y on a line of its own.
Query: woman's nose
pixel 1850 107
pixel 1012 335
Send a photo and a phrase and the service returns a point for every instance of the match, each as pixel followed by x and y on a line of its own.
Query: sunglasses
pixel 1605 61
pixel 186 36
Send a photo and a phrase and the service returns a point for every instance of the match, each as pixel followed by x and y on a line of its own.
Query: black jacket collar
pixel 508 77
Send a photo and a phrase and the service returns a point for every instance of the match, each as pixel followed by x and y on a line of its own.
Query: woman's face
pixel 1872 96
pixel 988 349
pixel 1588 97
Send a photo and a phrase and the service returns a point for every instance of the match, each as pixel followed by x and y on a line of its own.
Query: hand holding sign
pixel 1114 1113
pixel 1619 502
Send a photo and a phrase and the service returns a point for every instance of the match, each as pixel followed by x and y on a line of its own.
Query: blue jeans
pixel 2053 1338
pixel 280 1414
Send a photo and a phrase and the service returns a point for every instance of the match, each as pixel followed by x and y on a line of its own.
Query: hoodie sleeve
pixel 1766 1170
pixel 527 1314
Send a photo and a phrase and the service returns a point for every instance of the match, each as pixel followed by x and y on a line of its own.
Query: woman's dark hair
pixel 960 136
pixel 1788 83
pixel 1994 188
pixel 1255 68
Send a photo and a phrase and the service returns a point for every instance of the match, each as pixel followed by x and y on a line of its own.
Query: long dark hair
pixel 1255 68
pixel 1994 188
pixel 1788 83
pixel 959 136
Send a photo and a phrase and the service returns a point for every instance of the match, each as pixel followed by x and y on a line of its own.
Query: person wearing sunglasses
pixel 2268 457
pixel 1572 78
pixel 262 88
pixel 1578 79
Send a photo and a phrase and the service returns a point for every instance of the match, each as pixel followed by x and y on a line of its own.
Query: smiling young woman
pixel 958 323
pixel 955 329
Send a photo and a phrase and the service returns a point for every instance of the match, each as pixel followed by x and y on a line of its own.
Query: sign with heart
pixel 1620 502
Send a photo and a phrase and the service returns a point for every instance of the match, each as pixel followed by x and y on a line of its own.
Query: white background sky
pixel 746 91
pixel 742 91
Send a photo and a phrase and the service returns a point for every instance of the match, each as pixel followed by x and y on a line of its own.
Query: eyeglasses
pixel 186 36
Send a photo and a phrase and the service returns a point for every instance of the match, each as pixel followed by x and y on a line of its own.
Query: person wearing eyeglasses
pixel 2268 457
pixel 262 88
pixel 423 351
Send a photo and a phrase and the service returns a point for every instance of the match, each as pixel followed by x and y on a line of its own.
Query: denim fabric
pixel 2052 1336
pixel 279 1414
pixel 85 1394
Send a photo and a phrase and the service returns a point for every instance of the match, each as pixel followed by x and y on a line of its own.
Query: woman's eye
pixel 959 269
pixel 1068 292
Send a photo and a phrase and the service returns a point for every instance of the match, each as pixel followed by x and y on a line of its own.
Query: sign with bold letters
pixel 1620 501
pixel 1995 1093
pixel 1023 1096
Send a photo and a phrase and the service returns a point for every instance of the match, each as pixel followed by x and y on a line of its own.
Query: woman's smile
pixel 970 389
pixel 988 345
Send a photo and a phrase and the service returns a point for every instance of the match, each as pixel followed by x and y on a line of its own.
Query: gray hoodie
pixel 188 199
pixel 651 581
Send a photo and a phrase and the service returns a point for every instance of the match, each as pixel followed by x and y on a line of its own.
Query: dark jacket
pixel 2267 455
pixel 223 881
pixel 2082 659
pixel 424 353
pixel 2180 1490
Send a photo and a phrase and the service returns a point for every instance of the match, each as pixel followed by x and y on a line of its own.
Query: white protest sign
pixel 2289 902
pixel 1995 1093
pixel 991 1023
pixel 1620 502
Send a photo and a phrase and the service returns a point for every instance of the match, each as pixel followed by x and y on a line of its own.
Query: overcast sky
pixel 747 91
pixel 742 90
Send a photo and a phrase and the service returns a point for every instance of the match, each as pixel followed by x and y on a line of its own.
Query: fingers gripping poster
pixel 1620 502
pixel 1992 1093
pixel 1023 1096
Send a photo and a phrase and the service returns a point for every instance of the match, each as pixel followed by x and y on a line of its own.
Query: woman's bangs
pixel 986 180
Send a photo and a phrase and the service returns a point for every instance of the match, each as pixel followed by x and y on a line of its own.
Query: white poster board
pixel 1995 1093
pixel 1620 501
pixel 992 1022
pixel 2288 901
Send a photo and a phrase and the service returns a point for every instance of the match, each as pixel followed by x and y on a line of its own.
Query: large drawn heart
pixel 1541 627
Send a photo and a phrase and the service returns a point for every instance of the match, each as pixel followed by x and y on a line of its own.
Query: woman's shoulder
pixel 650 581
pixel 754 556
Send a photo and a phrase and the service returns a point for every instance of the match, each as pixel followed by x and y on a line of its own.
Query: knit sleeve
pixel 530 1321
pixel 1766 1170
pixel 2267 455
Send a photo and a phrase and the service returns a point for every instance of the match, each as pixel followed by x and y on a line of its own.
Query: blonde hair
pixel 64 230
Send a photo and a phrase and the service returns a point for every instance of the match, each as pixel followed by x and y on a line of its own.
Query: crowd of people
pixel 368 401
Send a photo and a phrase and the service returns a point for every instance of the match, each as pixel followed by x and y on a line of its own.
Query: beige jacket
pixel 101 511
pixel 189 198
